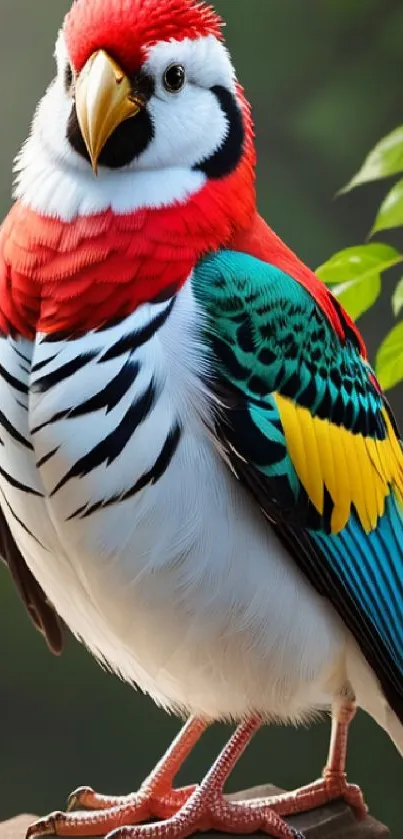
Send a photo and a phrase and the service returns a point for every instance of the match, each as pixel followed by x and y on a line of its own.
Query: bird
pixel 200 475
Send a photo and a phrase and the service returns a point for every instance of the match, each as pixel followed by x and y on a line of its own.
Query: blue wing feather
pixel 370 566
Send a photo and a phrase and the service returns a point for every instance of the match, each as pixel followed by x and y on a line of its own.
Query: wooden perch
pixel 335 821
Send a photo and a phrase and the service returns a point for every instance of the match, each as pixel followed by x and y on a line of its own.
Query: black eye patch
pixel 128 141
pixel 228 156
pixel 68 77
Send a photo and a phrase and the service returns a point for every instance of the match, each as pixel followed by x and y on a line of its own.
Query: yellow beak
pixel 104 99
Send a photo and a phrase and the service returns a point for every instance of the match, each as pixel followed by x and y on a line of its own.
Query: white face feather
pixel 189 127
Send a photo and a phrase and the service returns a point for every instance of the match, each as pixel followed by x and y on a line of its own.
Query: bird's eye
pixel 174 78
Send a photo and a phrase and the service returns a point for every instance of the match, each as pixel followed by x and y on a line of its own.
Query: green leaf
pixel 384 160
pixel 389 360
pixel 391 211
pixel 397 299
pixel 357 296
pixel 361 262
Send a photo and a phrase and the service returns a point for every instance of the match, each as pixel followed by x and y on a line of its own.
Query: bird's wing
pixel 41 612
pixel 305 426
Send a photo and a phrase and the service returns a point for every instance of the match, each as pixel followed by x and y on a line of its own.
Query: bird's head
pixel 145 90
pixel 151 83
pixel 139 162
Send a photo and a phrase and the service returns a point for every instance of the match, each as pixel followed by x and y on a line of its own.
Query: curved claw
pixel 45 827
pixel 77 799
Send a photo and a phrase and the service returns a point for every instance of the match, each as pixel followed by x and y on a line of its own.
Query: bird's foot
pixel 331 787
pixel 98 815
pixel 156 798
pixel 157 801
pixel 205 809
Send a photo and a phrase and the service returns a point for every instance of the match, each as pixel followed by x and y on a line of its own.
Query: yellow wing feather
pixel 315 486
pixel 356 470
pixel 295 443
pixel 342 508
pixel 329 471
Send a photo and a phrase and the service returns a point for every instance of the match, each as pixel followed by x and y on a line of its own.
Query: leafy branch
pixel 355 274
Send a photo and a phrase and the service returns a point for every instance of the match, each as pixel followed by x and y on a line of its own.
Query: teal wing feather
pixel 308 431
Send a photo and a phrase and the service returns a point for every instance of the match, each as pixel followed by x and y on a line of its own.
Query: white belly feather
pixel 149 549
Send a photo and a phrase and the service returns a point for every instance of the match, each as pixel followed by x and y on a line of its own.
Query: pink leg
pixel 156 798
pixel 205 809
pixel 333 784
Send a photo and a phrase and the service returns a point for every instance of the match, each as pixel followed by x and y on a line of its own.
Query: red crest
pixel 128 28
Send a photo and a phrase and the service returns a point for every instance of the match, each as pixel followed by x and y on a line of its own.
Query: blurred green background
pixel 325 79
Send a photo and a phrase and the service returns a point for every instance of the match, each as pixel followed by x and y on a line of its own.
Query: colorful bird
pixel 199 473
